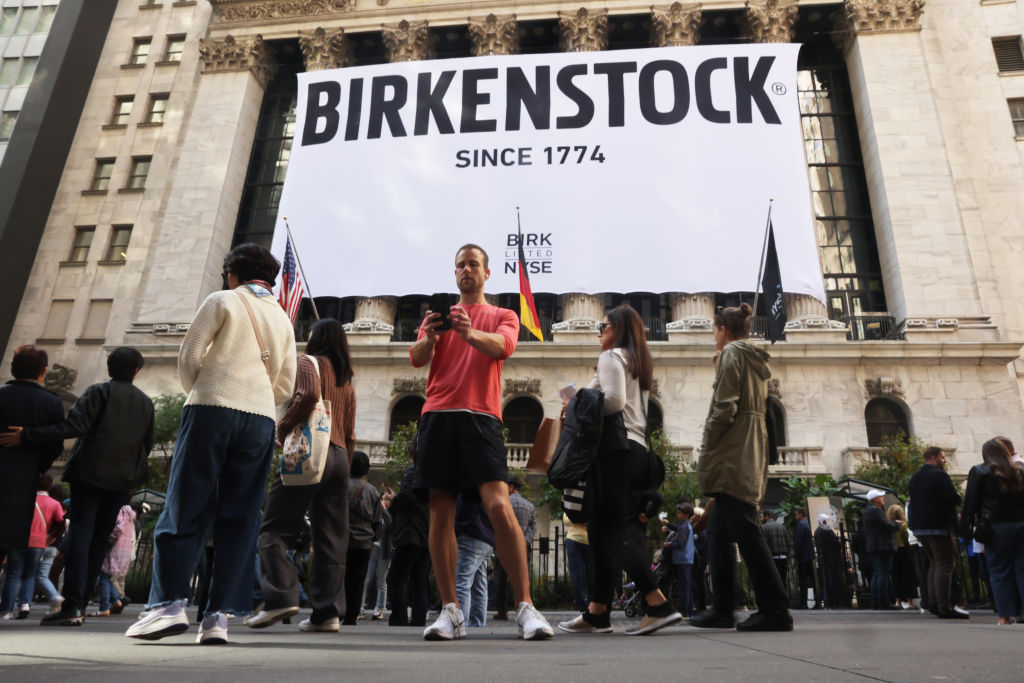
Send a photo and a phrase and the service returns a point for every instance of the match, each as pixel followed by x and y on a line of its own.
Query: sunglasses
pixel 601 327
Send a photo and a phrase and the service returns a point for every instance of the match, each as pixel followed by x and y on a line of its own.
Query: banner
pixel 635 170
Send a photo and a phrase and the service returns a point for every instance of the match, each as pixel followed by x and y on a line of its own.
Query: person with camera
pixel 461 443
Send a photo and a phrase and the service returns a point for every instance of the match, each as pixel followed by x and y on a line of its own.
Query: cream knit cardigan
pixel 219 362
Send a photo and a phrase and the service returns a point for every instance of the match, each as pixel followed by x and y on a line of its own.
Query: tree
pixel 897 461
pixel 399 454
pixel 166 423
pixel 798 490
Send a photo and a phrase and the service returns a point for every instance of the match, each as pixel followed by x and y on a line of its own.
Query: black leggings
pixel 615 474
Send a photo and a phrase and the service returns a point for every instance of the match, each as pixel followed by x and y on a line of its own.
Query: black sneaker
pixel 66 616
pixel 713 618
pixel 763 621
pixel 954 614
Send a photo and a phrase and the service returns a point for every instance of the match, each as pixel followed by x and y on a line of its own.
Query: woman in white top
pixel 624 371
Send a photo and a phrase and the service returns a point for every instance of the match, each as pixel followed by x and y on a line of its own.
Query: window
pixel 46 19
pixel 522 417
pixel 405 411
pixel 122 110
pixel 7 20
pixel 27 22
pixel 140 51
pixel 1017 115
pixel 885 418
pixel 57 321
pixel 7 121
pixel 101 177
pixel 83 240
pixel 1009 56
pixel 28 69
pixel 157 108
pixel 655 418
pixel 96 321
pixel 175 46
pixel 8 70
pixel 120 235
pixel 137 174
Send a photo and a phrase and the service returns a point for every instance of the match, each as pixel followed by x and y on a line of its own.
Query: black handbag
pixel 983 524
pixel 579 440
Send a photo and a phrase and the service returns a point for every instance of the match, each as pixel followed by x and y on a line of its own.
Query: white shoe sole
pixel 320 628
pixel 162 628
pixel 273 616
pixel 591 629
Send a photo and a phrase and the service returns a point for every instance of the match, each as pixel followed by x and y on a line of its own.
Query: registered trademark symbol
pixel 778 88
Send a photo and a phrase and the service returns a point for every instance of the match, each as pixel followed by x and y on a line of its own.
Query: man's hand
pixel 461 322
pixel 11 438
pixel 422 351
pixel 430 324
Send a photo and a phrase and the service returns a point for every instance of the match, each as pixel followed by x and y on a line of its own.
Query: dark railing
pixel 872 328
pixel 656 329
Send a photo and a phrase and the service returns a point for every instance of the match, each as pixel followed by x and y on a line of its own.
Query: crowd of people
pixel 457 506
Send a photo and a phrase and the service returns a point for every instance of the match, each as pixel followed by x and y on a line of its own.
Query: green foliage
pixel 399 454
pixel 166 423
pixel 799 489
pixel 549 594
pixel 899 458
pixel 680 476
pixel 551 498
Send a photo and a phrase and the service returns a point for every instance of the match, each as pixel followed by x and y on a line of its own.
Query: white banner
pixel 635 170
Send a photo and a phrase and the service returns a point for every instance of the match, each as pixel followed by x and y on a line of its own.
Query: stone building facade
pixel 910 109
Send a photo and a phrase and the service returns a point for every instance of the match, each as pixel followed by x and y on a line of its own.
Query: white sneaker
pixel 532 624
pixel 269 617
pixel 450 625
pixel 9 616
pixel 328 626
pixel 961 610
pixel 213 630
pixel 24 610
pixel 56 603
pixel 154 624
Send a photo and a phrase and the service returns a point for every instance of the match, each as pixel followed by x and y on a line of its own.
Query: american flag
pixel 291 292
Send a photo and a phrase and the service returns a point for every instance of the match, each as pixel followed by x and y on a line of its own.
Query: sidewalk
pixel 826 646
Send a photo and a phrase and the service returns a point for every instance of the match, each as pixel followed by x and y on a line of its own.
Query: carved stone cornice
pixel 675 25
pixel 771 21
pixel 494 35
pixel 883 386
pixel 407 42
pixel 883 15
pixel 250 54
pixel 322 49
pixel 409 385
pixel 584 31
pixel 251 10
pixel 521 385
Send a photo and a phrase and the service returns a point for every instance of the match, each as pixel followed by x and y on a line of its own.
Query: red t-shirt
pixel 52 515
pixel 462 378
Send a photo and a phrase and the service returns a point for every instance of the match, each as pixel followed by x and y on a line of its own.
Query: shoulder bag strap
pixel 319 379
pixel 264 354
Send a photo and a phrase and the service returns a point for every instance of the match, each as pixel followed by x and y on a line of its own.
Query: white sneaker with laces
pixel 213 630
pixel 159 622
pixel 450 625
pixel 269 617
pixel 328 626
pixel 532 624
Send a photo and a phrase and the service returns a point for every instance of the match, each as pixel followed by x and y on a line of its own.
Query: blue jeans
pixel 471 579
pixel 378 572
pixel 21 577
pixel 684 575
pixel 43 573
pixel 108 593
pixel 881 571
pixel 218 480
pixel 1005 555
pixel 581 572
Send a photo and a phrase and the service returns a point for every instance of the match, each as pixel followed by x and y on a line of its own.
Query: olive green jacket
pixel 734 451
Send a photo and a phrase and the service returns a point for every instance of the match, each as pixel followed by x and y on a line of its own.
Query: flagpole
pixel 295 248
pixel 764 248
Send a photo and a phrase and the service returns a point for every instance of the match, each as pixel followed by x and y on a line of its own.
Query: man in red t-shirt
pixel 460 443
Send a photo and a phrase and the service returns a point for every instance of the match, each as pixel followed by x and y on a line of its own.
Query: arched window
pixel 522 417
pixel 775 416
pixel 407 409
pixel 885 418
pixel 655 419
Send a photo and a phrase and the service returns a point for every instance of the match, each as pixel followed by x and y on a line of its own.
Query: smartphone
pixel 442 303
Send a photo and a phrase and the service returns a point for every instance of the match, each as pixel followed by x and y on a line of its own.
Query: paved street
pixel 826 646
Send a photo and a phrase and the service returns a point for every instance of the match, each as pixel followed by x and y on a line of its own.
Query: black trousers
pixel 95 512
pixel 614 475
pixel 283 522
pixel 500 587
pixel 410 565
pixel 805 572
pixel 733 521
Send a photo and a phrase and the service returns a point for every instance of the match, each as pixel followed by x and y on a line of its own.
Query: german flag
pixel 527 308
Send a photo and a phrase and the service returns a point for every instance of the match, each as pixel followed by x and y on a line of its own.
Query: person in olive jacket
pixel 733 469
pixel 114 425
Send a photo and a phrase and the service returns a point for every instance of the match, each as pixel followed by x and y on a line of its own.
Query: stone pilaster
pixel 771 21
pixel 374 320
pixel 205 190
pixel 323 49
pixel 407 42
pixel 691 313
pixel 584 31
pixel 494 35
pixel 580 315
pixel 675 25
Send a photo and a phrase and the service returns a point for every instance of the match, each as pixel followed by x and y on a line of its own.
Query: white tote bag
pixel 305 447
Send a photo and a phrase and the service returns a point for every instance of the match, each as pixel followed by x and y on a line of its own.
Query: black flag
pixel 771 285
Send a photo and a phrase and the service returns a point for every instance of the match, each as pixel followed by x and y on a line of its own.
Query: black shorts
pixel 459 450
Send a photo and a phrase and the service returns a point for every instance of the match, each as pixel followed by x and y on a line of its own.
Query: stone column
pixel 584 31
pixel 771 21
pixel 323 49
pixel 206 188
pixel 580 315
pixel 675 25
pixel 494 35
pixel 909 175
pixel 691 313
pixel 407 42
pixel 374 316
